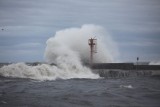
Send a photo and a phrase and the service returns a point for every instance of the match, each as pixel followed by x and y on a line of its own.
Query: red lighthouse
pixel 93 48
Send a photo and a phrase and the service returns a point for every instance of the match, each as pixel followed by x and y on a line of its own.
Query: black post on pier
pixel 137 63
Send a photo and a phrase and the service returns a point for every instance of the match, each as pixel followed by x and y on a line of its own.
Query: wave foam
pixel 45 72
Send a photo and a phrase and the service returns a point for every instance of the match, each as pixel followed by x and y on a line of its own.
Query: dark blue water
pixel 122 92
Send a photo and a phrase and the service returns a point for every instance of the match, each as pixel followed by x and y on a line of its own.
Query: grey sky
pixel 27 24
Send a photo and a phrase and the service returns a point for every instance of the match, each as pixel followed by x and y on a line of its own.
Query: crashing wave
pixel 45 72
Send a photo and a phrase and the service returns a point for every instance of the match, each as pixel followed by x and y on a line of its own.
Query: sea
pixel 134 91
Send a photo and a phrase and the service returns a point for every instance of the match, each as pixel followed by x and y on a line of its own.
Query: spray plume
pixel 73 43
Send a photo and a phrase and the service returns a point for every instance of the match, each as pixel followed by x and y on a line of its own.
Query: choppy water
pixel 122 92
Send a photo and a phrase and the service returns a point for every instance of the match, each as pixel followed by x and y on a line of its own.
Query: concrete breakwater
pixel 117 70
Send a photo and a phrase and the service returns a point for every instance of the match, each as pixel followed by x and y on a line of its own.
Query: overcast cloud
pixel 27 24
